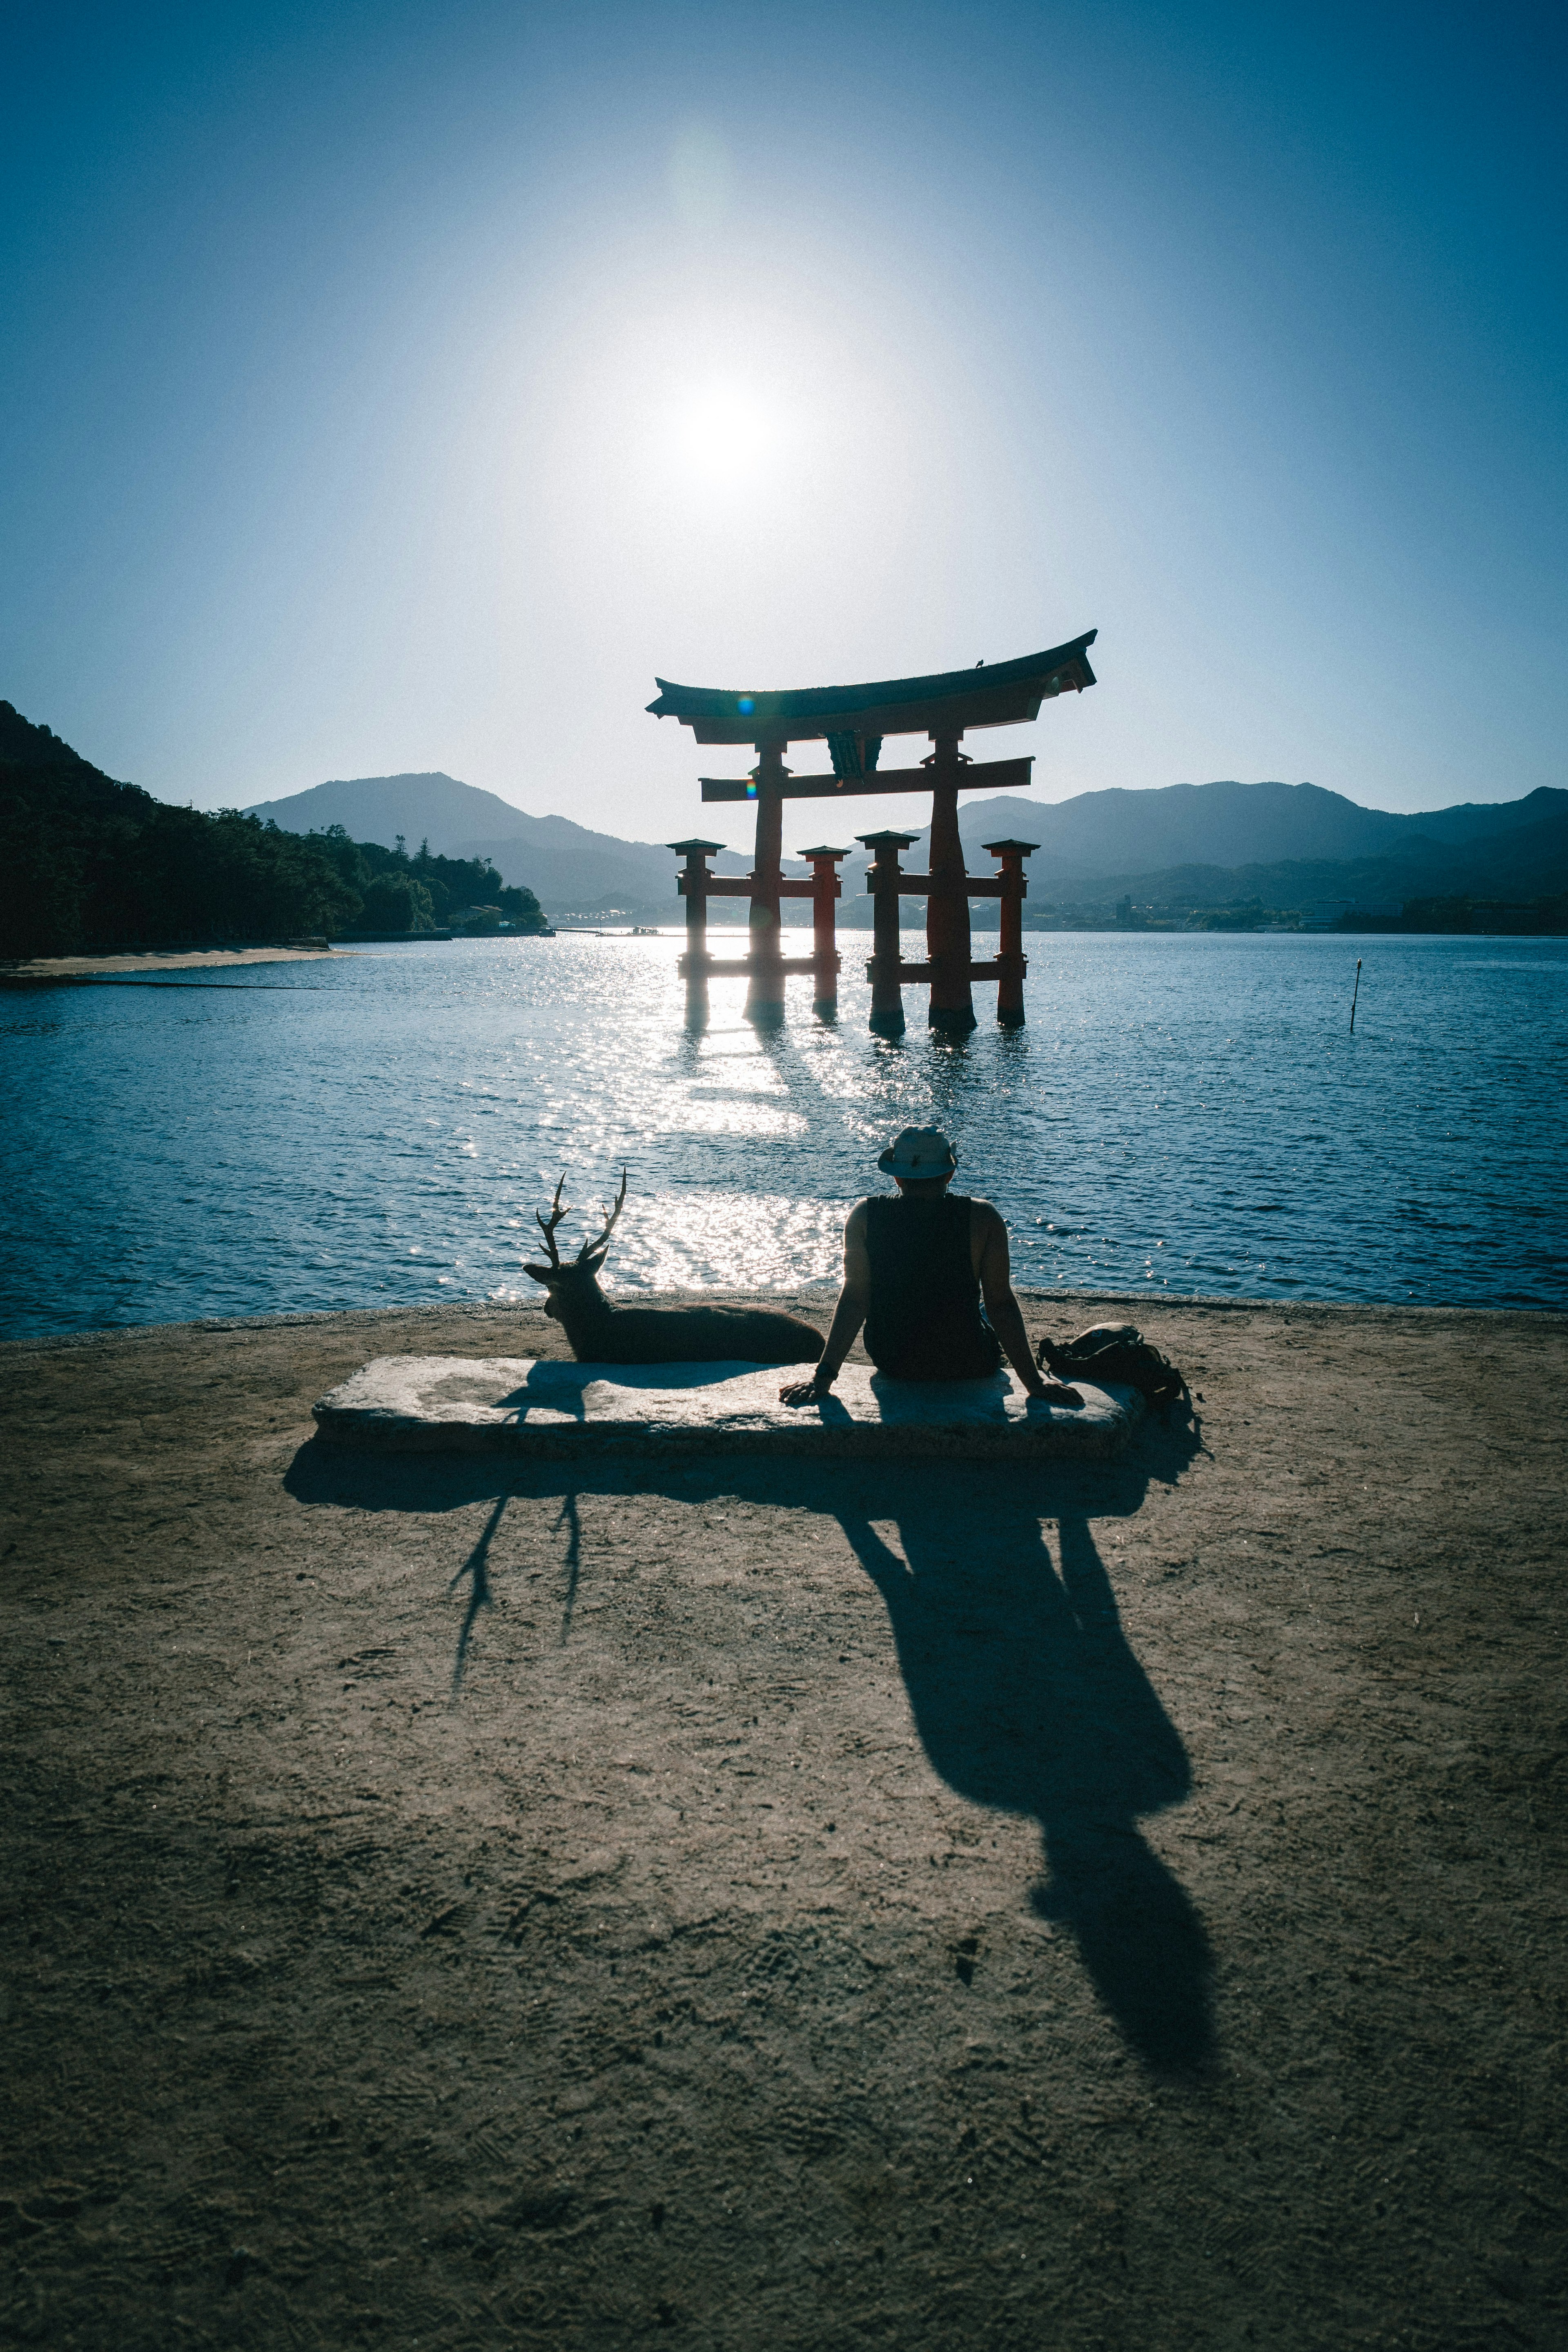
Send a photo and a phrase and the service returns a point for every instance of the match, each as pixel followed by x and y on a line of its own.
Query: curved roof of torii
pixel 990 695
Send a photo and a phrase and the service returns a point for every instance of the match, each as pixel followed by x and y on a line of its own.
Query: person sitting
pixel 915 1269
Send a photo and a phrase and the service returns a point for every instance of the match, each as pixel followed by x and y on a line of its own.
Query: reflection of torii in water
pixel 1029 1699
pixel 854 720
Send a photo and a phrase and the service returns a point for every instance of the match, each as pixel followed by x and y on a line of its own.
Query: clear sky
pixel 398 387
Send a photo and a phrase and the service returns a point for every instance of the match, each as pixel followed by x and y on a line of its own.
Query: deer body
pixel 601 1332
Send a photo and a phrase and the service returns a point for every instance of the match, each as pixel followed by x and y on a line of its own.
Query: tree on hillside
pixel 451 883
pixel 88 863
pixel 396 902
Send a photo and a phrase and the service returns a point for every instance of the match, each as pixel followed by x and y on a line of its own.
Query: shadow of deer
pixel 603 1332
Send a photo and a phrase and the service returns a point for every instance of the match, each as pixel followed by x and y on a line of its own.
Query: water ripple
pixel 1191 1114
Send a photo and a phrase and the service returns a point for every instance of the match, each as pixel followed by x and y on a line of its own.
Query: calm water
pixel 1187 1113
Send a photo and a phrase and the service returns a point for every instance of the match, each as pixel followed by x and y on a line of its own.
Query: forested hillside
pixel 89 865
pixel 400 893
pixel 569 867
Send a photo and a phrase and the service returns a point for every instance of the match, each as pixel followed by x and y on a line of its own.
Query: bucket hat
pixel 920 1151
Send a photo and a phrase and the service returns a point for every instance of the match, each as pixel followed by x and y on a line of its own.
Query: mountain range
pixel 571 869
pixel 1196 845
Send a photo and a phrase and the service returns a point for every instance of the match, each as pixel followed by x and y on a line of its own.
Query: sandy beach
pixel 39 970
pixel 457 1904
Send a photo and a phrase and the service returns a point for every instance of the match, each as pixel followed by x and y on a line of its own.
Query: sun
pixel 726 433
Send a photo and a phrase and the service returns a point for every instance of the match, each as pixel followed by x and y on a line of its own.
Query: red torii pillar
pixel 948 947
pixel 695 884
pixel 825 890
pixel 765 979
pixel 1012 964
pixel 888 883
pixel 885 971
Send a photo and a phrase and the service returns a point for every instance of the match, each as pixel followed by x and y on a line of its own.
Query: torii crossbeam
pixel 853 721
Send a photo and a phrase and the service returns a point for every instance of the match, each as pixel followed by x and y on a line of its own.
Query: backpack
pixel 1117 1353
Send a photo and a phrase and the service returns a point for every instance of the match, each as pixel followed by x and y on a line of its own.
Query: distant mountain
pixel 1092 848
pixel 378 808
pixel 1520 862
pixel 566 866
pixel 1193 844
pixel 1099 833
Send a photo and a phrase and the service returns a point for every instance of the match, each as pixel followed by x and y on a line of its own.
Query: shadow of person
pixel 1026 1694
pixel 1029 1700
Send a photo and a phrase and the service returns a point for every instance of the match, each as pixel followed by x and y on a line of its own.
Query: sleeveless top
pixel 925 1321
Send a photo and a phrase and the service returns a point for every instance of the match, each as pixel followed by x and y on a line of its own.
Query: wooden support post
pixel 825 958
pixel 1010 962
pixel 694 885
pixel 947 903
pixel 882 881
pixel 766 984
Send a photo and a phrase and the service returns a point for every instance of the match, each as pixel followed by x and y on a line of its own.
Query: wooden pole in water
pixel 1011 963
pixel 1354 993
pixel 883 971
pixel 694 885
pixel 948 946
pixel 825 958
pixel 764 962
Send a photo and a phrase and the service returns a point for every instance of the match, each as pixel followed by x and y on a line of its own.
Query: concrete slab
pixel 554 1411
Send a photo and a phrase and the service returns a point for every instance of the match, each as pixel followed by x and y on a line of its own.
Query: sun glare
pixel 726 434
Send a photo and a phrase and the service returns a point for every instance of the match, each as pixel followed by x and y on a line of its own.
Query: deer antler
pixel 547 1224
pixel 601 1241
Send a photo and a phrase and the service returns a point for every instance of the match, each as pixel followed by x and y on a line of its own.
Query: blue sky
pixel 396 388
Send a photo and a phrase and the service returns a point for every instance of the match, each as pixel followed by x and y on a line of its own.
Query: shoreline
pixel 46 971
pixel 811 1300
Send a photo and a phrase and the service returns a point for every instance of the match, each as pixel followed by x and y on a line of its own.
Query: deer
pixel 602 1332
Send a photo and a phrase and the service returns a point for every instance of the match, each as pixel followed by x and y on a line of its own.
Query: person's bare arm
pixel 1005 1314
pixel 848 1316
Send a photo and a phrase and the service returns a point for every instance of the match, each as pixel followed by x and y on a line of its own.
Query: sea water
pixel 1183 1114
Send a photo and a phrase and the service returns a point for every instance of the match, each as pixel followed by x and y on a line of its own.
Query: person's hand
pixel 1053 1392
pixel 810 1391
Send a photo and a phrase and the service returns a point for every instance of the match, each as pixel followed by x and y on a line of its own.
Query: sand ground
pixel 454 1905
pixel 80 969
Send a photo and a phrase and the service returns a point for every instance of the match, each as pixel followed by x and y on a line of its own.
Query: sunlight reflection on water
pixel 1187 1113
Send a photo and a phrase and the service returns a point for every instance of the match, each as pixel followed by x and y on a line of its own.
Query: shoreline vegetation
pixel 91 864
pixel 87 865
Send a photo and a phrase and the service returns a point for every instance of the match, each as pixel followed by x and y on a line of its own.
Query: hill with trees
pixel 401 893
pixel 1234 824
pixel 93 863
pixel 89 865
pixel 1179 849
pixel 570 868
pixel 1507 854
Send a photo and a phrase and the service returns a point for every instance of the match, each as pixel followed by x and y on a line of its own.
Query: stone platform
pixel 556 1412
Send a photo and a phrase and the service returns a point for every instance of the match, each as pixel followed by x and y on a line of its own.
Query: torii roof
pixel 991 695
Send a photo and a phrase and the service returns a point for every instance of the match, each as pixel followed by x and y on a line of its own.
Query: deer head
pixel 562 1280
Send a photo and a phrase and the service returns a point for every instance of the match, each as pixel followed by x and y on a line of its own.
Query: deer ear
pixel 541 1273
pixel 592 1260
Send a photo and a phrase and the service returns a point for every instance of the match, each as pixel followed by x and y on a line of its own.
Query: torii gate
pixel 854 720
